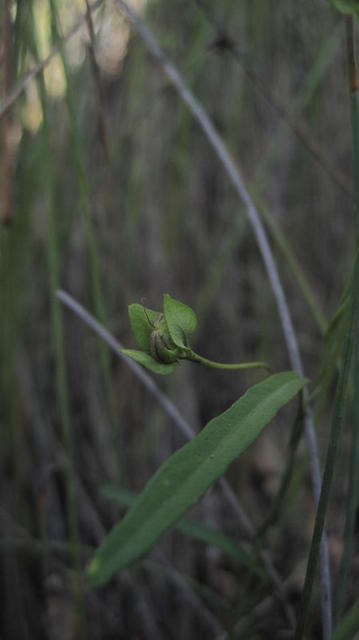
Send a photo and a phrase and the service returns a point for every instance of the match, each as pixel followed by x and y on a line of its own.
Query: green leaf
pixel 149 363
pixel 195 530
pixel 181 320
pixel 187 474
pixel 142 321
pixel 346 6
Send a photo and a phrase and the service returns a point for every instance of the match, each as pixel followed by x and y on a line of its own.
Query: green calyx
pixel 162 338
pixel 162 347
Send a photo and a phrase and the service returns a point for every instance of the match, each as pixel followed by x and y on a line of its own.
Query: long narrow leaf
pixel 353 489
pixel 185 476
pixel 195 530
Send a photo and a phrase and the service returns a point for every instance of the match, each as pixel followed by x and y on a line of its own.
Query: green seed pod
pixel 162 348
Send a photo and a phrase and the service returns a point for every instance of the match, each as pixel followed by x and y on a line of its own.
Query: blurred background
pixel 110 191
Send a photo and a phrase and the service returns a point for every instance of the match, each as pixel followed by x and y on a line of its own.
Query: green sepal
pixel 142 321
pixel 149 363
pixel 181 320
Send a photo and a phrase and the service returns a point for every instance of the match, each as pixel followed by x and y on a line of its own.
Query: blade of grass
pixel 6 67
pixel 331 458
pixel 353 490
pixel 325 54
pixel 19 89
pixel 234 175
pixel 14 249
pixel 78 160
pixel 102 127
pixel 61 378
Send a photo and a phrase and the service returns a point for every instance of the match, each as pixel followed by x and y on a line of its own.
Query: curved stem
pixel 195 357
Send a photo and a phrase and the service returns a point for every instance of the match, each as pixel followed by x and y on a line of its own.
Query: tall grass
pixel 54 266
pixel 78 159
pixel 340 402
pixel 171 222
pixel 353 489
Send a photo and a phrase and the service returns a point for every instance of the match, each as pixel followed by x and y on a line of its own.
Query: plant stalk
pixel 195 357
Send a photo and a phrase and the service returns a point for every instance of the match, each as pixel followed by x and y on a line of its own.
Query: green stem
pixel 54 267
pixel 78 155
pixel 195 357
